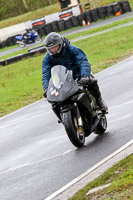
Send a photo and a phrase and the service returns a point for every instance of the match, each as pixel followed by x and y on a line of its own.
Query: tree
pixel 25 5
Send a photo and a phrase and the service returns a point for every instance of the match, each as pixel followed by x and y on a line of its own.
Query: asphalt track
pixel 36 156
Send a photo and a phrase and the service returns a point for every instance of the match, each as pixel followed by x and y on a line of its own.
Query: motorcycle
pixel 74 106
pixel 29 38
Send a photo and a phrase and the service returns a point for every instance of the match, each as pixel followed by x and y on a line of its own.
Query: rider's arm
pixel 46 72
pixel 81 61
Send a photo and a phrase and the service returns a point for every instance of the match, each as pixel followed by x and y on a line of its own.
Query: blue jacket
pixel 72 58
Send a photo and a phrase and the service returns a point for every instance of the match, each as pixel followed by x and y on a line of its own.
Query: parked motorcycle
pixel 29 38
pixel 74 106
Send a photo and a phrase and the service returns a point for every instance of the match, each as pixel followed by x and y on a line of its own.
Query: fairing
pixel 61 85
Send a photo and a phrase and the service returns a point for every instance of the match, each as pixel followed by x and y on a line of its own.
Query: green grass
pixel 121 177
pixel 108 48
pixel 30 16
pixel 20 83
pixel 25 50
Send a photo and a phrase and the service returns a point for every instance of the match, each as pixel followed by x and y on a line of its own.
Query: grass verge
pixel 121 177
pixel 20 83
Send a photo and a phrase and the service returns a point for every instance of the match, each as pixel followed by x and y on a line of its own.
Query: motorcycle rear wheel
pixel 22 45
pixel 69 121
pixel 102 126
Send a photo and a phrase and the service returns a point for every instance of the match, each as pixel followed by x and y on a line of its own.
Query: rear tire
pixel 102 126
pixel 75 137
pixel 22 45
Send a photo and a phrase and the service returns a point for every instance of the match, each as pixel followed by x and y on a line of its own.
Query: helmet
pixel 52 40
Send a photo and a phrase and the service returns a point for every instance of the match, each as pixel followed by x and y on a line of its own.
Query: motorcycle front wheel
pixel 77 137
pixel 38 40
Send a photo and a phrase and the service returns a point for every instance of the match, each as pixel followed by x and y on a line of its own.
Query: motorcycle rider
pixel 61 52
pixel 26 34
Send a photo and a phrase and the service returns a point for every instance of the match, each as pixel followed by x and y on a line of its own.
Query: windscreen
pixel 58 75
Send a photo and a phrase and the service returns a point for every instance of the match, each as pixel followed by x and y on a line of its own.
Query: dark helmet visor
pixel 58 49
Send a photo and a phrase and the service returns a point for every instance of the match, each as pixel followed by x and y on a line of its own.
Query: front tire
pixel 69 120
pixel 102 126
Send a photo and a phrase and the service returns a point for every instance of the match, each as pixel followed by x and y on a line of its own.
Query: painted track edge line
pixel 83 175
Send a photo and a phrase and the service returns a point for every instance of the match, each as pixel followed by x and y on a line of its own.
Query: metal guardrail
pixel 31 52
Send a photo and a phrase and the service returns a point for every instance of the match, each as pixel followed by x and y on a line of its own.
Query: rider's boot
pixel 102 105
pixel 94 89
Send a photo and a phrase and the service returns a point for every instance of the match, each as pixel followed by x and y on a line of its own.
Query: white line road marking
pixel 36 162
pixel 44 106
pixel 111 115
pixel 7 134
pixel 24 119
pixel 52 139
pixel 64 188
pixel 17 167
pixel 122 104
pixel 45 113
pixel 121 118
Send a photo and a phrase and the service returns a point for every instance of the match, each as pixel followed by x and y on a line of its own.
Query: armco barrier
pixel 2 62
pixel 36 48
pixel 13 59
pixel 32 52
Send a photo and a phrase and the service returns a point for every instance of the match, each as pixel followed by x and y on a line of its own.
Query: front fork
pixel 78 120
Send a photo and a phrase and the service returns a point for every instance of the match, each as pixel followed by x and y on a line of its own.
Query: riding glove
pixel 84 80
